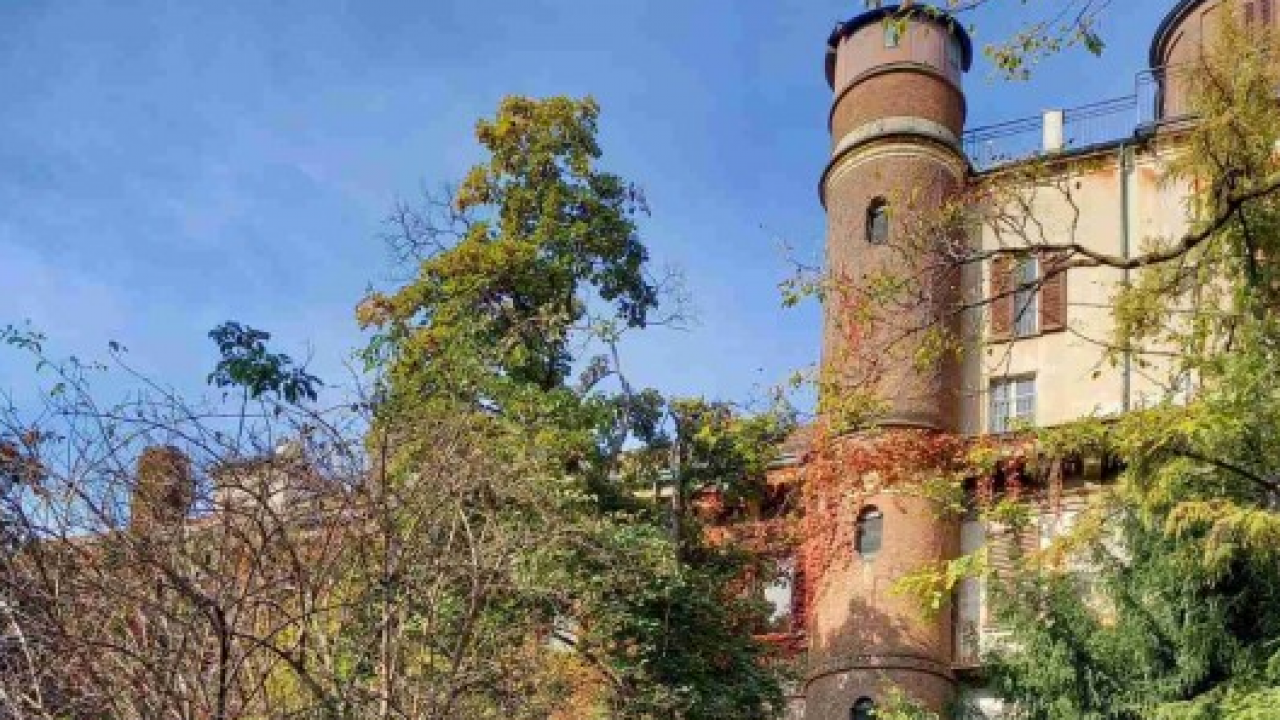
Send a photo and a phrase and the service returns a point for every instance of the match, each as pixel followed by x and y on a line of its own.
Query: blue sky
pixel 166 166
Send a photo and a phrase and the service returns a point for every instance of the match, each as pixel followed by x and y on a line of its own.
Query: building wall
pixel 896 117
pixel 1082 200
pixel 863 357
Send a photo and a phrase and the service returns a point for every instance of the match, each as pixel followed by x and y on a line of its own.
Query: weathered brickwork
pixel 863 355
pixel 897 114
pixel 907 91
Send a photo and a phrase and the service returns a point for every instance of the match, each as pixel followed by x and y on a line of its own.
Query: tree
pixel 535 255
pixel 273 572
pixel 1146 631
pixel 246 363
pixel 469 538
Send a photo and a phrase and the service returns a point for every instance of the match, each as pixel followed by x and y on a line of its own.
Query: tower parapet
pixel 896 70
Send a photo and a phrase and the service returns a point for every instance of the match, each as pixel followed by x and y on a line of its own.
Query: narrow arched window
pixel 892 34
pixel 878 221
pixel 868 532
pixel 863 709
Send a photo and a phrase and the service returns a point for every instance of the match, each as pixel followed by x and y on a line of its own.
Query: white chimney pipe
pixel 1054 131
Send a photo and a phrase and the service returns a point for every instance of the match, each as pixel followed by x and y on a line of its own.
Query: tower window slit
pixel 869 532
pixel 878 222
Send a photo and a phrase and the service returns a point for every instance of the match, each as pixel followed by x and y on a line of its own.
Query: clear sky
pixel 166 166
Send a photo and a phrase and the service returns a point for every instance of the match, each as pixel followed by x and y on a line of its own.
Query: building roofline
pixel 1155 57
pixel 937 16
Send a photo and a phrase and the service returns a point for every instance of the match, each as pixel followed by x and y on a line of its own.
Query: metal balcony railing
pixel 1004 143
pixel 1059 131
pixel 1159 97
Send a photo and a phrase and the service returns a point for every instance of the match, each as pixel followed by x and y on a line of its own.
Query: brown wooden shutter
pixel 1002 297
pixel 1053 294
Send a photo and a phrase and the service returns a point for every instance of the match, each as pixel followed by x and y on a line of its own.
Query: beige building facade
pixel 1036 345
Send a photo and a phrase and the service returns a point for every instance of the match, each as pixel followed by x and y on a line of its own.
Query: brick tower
pixel 896 120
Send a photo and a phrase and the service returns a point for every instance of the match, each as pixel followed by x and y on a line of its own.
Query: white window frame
pixel 1012 403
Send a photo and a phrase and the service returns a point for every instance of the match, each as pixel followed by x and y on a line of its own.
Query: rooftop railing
pixel 1159 97
pixel 1164 95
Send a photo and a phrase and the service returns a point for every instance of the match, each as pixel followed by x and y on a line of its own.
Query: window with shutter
pixel 1053 295
pixel 1001 297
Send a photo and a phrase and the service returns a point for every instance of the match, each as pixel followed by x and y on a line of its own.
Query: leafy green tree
pixel 533 259
pixel 247 364
pixel 543 234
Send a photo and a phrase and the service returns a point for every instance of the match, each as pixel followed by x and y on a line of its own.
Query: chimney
pixel 164 488
pixel 1054 131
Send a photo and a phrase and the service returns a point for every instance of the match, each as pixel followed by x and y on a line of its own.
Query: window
pixel 1028 295
pixel 892 34
pixel 1257 14
pixel 863 709
pixel 953 54
pixel 878 221
pixel 978 704
pixel 779 593
pixel 868 532
pixel 1182 389
pixel 1013 404
pixel 1026 298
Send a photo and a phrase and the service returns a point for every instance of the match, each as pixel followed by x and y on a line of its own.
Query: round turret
pixel 1182 37
pixel 896 161
pixel 895 69
pixel 896 120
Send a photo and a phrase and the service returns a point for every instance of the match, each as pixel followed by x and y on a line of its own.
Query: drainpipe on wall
pixel 1126 401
